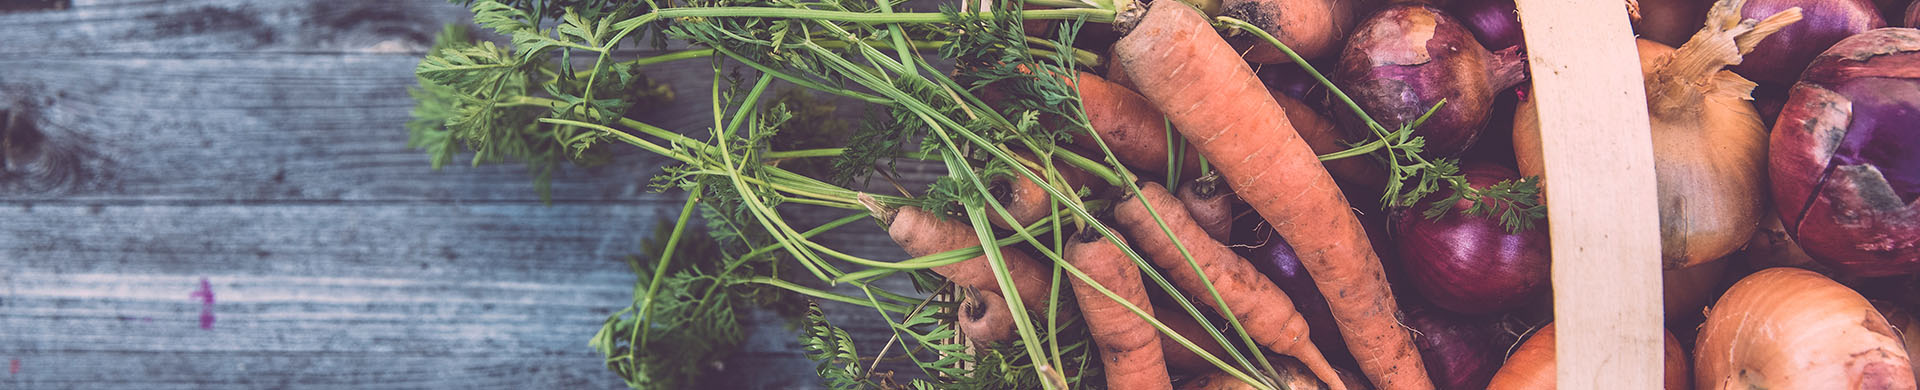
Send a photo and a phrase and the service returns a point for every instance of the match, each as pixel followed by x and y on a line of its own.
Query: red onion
pixel 1844 160
pixel 1462 352
pixel 1273 257
pixel 1671 22
pixel 1495 22
pixel 1470 264
pixel 1780 58
pixel 1408 57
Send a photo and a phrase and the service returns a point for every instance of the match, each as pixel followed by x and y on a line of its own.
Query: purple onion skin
pixel 1461 352
pixel 1470 264
pixel 1780 58
pixel 1495 22
pixel 1671 22
pixel 1844 157
pixel 1396 78
pixel 1273 257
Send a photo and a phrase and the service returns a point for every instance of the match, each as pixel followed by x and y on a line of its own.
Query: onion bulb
pixel 1845 159
pixel 1408 57
pixel 1780 59
pixel 1789 329
pixel 1907 326
pixel 1469 263
pixel 1709 145
pixel 1532 365
pixel 1670 22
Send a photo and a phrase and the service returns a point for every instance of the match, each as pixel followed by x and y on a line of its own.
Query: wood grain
pixel 1604 223
pixel 259 145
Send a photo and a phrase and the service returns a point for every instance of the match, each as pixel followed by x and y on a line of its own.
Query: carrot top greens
pixel 962 89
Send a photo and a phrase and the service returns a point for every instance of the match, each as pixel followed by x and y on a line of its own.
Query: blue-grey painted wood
pixel 258 145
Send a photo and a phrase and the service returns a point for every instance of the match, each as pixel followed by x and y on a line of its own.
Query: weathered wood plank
pixel 1605 220
pixel 362 295
pixel 185 28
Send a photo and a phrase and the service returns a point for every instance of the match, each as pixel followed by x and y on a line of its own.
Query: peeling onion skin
pixel 1913 14
pixel 1791 329
pixel 1780 59
pixel 1406 58
pixel 1845 158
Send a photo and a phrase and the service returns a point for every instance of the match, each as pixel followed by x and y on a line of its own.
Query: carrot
pixel 1210 203
pixel 1179 358
pixel 1293 375
pixel 1129 345
pixel 1265 311
pixel 1024 198
pixel 1320 133
pixel 1791 329
pixel 1131 127
pixel 984 317
pixel 1312 28
pixel 1532 365
pixel 1214 99
pixel 922 233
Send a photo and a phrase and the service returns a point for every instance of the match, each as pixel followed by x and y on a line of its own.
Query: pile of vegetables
pixel 1204 194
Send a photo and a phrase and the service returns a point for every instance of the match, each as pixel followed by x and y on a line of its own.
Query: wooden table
pixel 218 194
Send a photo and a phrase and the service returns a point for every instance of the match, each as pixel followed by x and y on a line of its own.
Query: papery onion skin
pixel 1845 163
pixel 1780 58
pixel 1471 264
pixel 1792 329
pixel 1407 58
pixel 1913 14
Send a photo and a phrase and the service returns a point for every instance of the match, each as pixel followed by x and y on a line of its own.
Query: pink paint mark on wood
pixel 205 294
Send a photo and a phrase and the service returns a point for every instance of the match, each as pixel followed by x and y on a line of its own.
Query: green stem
pixel 666 259
pixel 816 293
pixel 1091 14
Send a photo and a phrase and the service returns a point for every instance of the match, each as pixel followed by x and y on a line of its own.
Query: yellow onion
pixel 1709 145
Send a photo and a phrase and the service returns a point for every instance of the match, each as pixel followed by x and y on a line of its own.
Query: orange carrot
pixel 922 233
pixel 1129 345
pixel 984 317
pixel 1320 133
pixel 1024 198
pixel 1131 127
pixel 1293 375
pixel 1265 311
pixel 1214 99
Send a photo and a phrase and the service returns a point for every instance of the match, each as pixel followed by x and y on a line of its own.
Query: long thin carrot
pixel 1193 76
pixel 921 233
pixel 1129 345
pixel 1259 305
pixel 1131 126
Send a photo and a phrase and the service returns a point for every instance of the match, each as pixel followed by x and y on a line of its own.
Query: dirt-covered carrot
pixel 1312 28
pixel 1261 307
pixel 1210 203
pixel 1129 345
pixel 984 317
pixel 1213 98
pixel 1131 127
pixel 922 233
